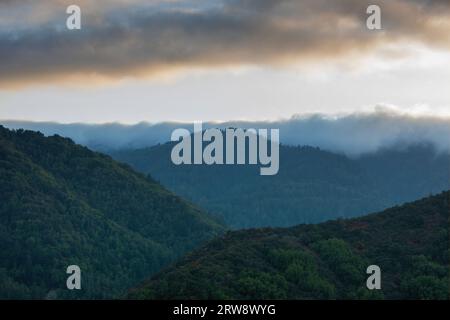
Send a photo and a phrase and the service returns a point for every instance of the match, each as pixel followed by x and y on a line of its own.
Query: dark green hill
pixel 409 243
pixel 312 185
pixel 63 204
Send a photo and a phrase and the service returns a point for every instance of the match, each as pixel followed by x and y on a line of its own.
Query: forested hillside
pixel 409 243
pixel 311 186
pixel 62 204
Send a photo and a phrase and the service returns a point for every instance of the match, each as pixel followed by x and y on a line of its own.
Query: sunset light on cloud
pixel 223 60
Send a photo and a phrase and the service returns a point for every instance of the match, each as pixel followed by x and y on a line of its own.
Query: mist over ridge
pixel 352 134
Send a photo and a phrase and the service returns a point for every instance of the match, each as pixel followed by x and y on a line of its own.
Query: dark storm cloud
pixel 139 38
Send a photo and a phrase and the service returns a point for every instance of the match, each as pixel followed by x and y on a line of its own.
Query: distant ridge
pixel 351 134
pixel 312 185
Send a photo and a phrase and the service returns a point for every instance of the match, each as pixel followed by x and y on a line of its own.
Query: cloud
pixel 123 38
pixel 351 134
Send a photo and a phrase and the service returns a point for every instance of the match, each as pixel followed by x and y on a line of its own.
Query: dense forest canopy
pixel 409 243
pixel 62 204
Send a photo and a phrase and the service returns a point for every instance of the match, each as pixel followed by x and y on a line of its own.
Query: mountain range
pixel 63 204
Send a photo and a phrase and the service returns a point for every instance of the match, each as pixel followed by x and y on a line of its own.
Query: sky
pixel 222 60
